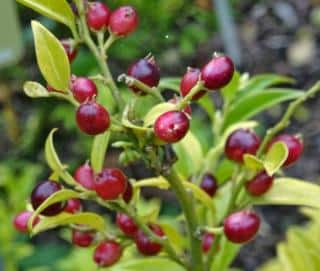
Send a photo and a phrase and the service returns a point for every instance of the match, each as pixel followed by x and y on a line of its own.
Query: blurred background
pixel 261 36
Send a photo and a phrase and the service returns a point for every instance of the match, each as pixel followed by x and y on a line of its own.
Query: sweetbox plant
pixel 216 186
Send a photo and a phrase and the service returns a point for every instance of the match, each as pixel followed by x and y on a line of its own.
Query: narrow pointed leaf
pixel 275 158
pixel 98 152
pixel 253 162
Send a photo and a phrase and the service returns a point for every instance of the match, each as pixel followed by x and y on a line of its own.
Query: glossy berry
pixel 241 142
pixel 171 126
pixel 84 175
pixel 83 89
pixel 188 81
pixel 70 49
pixel 241 227
pixel 218 72
pixel 127 195
pixel 207 241
pixel 123 21
pixel 294 145
pixel 82 238
pixel 111 183
pixel 176 100
pixel 73 206
pixel 146 71
pixel 209 184
pixel 92 118
pixel 20 221
pixel 98 16
pixel 43 191
pixel 145 245
pixel 126 225
pixel 107 253
pixel 259 184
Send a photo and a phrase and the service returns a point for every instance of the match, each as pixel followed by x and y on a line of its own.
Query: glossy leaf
pixel 58 10
pixel 98 151
pixel 275 158
pixel 156 111
pixel 159 182
pixel 51 57
pixel 257 102
pixel 35 90
pixel 287 191
pixel 252 162
pixel 230 91
pixel 207 104
pixel 221 200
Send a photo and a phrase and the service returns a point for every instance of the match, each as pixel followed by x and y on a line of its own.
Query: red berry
pixel 145 245
pixel 126 225
pixel 260 184
pixel 171 126
pixel 241 142
pixel 146 71
pixel 43 191
pixel 73 206
pixel 82 238
pixel 107 253
pixel 70 49
pixel 92 118
pixel 123 21
pixel 188 81
pixel 110 183
pixel 84 175
pixel 83 89
pixel 20 221
pixel 209 184
pixel 218 72
pixel 241 227
pixel 294 145
pixel 127 195
pixel 207 241
pixel 98 16
pixel 176 100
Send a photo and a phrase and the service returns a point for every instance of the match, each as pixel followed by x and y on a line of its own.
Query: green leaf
pixel 221 200
pixel 58 10
pixel 252 162
pixel 159 182
pixel 148 210
pixel 156 111
pixel 98 151
pixel 230 91
pixel 207 104
pixel 51 57
pixel 256 102
pixel 35 90
pixel 91 220
pixel 172 83
pixel 275 157
pixel 175 238
pixel 287 191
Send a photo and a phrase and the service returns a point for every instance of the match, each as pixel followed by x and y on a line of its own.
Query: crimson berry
pixel 209 184
pixel 188 81
pixel 218 72
pixel 98 16
pixel 241 227
pixel 123 21
pixel 20 221
pixel 176 100
pixel 82 238
pixel 145 245
pixel 107 253
pixel 83 89
pixel 207 241
pixel 92 118
pixel 84 175
pixel 239 143
pixel 43 191
pixel 127 195
pixel 171 126
pixel 126 225
pixel 73 206
pixel 260 184
pixel 70 49
pixel 110 183
pixel 294 145
pixel 146 71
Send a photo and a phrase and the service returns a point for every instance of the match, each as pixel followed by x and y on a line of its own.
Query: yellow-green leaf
pixel 156 111
pixel 35 90
pixel 51 57
pixel 252 162
pixel 99 149
pixel 58 10
pixel 275 157
pixel 159 182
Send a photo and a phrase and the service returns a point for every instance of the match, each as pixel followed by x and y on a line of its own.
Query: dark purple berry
pixel 145 245
pixel 259 184
pixel 209 184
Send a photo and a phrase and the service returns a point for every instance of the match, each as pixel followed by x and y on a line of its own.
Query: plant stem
pixel 185 101
pixel 191 218
pixel 285 120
